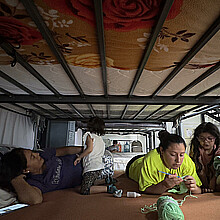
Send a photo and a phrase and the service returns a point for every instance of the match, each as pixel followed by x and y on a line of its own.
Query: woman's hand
pixel 18 178
pixel 172 180
pixel 169 182
pixel 207 190
pixel 77 160
pixel 190 183
pixel 25 192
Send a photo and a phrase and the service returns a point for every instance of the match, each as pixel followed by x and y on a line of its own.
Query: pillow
pixel 7 198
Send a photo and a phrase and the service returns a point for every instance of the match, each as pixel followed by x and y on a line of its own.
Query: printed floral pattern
pixel 16 32
pixel 182 35
pixel 87 60
pixel 165 33
pixel 127 25
pixel 12 29
pixel 118 15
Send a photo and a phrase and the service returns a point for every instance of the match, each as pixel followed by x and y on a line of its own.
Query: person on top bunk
pixel 30 174
pixel 165 168
pixel 114 147
pixel 92 157
pixel 204 148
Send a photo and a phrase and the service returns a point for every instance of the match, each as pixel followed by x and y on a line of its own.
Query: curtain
pixel 16 130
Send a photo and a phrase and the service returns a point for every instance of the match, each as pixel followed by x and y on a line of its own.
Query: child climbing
pixel 94 148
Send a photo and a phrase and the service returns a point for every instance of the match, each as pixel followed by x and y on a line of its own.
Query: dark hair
pixel 12 165
pixel 202 128
pixel 115 141
pixel 96 125
pixel 163 134
pixel 167 139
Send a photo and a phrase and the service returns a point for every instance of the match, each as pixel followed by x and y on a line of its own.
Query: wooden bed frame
pixel 68 204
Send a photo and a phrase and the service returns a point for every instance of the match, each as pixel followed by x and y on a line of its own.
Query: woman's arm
pixel 88 150
pixel 62 151
pixel 25 192
pixel 169 182
pixel 156 189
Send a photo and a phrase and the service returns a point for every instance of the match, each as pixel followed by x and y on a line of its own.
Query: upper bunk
pixel 139 62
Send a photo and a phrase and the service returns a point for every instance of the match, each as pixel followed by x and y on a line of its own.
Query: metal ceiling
pixel 150 110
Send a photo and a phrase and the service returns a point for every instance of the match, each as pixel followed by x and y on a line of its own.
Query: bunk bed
pixel 139 65
pixel 143 62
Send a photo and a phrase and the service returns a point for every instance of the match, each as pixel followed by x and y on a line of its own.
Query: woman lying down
pixel 165 169
pixel 30 174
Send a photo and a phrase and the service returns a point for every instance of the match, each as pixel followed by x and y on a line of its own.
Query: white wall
pixel 78 137
pixel 208 119
pixel 188 126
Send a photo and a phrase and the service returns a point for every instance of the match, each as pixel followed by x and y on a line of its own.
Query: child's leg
pixel 109 189
pixel 88 187
pixel 113 190
pixel 98 189
pixel 88 181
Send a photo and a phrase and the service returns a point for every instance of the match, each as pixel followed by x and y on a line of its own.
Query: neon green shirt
pixel 145 170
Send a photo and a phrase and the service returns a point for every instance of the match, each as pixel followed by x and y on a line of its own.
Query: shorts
pixel 89 179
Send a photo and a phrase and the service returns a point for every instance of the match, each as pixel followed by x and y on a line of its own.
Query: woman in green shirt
pixel 170 157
